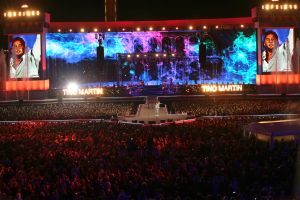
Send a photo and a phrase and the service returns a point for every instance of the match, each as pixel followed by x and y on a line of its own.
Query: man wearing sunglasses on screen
pixel 24 63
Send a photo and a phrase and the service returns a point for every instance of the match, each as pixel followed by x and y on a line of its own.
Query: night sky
pixel 93 10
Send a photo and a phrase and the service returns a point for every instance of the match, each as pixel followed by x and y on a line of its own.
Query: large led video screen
pixel 277 49
pixel 24 58
pixel 155 57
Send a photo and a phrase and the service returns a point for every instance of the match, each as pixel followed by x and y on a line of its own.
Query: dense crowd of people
pixel 236 107
pixel 207 159
pixel 81 110
pixel 105 110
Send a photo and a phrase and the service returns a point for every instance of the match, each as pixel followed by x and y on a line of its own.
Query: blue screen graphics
pixel 154 57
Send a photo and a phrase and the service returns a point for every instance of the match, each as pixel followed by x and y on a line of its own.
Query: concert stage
pixel 168 57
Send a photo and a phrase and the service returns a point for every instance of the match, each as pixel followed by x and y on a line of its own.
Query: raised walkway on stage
pixel 153 112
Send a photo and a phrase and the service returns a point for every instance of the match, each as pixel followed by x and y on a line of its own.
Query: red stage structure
pixel 272 15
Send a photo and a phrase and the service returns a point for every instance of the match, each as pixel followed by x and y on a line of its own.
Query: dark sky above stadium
pixel 93 10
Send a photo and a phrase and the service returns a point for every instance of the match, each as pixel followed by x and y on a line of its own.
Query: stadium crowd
pixel 60 111
pixel 95 159
pixel 208 159
pixel 236 107
pixel 105 110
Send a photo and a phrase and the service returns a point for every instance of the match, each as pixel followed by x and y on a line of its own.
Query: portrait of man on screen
pixel 24 61
pixel 278 46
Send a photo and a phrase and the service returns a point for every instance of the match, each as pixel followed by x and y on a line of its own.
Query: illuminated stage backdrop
pixel 229 56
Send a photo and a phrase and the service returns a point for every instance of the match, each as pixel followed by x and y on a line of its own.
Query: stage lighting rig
pixel 23 13
pixel 277 5
pixel 276 13
pixel 24 19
